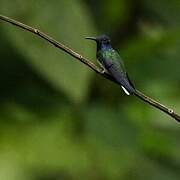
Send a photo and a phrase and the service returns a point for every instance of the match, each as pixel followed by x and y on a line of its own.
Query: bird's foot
pixel 103 70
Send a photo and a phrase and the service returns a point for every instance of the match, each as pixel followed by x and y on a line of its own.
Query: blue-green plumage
pixel 112 62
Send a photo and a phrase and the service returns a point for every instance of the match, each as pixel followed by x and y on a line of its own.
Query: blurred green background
pixel 61 121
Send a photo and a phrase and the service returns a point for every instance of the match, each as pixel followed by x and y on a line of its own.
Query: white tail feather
pixel 125 90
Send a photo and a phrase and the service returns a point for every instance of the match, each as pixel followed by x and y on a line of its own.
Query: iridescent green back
pixel 108 56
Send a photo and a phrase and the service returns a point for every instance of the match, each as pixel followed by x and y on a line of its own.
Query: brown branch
pixel 157 105
pixel 84 60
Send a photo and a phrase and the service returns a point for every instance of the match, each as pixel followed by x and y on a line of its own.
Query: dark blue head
pixel 103 42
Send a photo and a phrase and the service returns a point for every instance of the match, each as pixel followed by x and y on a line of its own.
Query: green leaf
pixel 66 21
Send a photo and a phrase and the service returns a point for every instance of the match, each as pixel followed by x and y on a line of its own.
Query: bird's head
pixel 102 41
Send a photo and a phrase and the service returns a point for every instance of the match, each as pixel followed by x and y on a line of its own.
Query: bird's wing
pixel 123 68
pixel 116 68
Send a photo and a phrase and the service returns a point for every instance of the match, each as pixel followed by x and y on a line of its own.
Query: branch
pixel 88 63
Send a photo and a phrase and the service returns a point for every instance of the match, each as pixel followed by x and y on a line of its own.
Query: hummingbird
pixel 110 61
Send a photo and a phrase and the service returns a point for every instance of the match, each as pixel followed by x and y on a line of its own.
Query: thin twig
pixel 157 105
pixel 91 65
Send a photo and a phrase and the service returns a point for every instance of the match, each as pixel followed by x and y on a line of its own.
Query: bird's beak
pixel 91 38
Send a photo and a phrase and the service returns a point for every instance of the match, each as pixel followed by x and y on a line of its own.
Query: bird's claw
pixel 103 71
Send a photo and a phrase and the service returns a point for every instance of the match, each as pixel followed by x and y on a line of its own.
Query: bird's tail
pixel 122 79
pixel 130 89
pixel 124 82
pixel 127 87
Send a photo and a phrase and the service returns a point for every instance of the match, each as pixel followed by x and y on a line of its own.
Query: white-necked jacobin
pixel 111 61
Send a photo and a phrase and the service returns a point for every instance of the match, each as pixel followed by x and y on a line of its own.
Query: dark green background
pixel 59 120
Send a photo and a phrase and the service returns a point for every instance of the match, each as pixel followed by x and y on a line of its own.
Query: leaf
pixel 66 21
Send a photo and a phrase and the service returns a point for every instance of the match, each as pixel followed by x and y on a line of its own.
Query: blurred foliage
pixel 60 120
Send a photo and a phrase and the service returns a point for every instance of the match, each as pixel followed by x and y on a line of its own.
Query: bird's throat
pixel 104 47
